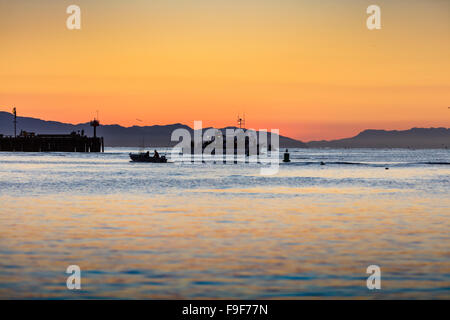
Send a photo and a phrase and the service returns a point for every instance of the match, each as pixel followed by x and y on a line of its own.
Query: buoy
pixel 286 156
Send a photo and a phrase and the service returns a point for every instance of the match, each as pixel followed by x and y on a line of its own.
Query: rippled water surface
pixel 224 231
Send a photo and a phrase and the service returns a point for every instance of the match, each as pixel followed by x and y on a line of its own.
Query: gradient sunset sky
pixel 310 68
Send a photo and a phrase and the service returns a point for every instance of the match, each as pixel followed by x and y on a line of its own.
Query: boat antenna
pixel 142 148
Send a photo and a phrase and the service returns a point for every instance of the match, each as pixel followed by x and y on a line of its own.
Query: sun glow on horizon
pixel 311 69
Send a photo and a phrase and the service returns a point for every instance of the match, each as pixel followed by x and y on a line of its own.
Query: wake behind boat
pixel 145 157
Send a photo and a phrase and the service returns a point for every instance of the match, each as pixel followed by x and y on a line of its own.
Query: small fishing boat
pixel 145 157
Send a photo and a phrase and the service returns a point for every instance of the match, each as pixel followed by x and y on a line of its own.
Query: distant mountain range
pixel 412 138
pixel 115 135
pixel 159 136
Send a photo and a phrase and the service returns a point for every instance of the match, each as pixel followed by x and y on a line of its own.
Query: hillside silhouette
pixel 115 135
pixel 159 135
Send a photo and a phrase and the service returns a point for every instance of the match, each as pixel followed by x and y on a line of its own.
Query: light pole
pixel 15 122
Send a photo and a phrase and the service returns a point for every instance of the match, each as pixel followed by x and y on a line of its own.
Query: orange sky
pixel 310 68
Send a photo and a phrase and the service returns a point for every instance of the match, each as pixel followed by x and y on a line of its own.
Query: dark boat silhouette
pixel 145 157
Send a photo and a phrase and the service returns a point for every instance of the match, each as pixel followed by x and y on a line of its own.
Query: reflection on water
pixel 224 231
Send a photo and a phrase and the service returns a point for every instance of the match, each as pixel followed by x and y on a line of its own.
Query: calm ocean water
pixel 225 231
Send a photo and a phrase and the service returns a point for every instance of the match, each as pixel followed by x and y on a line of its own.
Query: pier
pixel 31 142
pixel 73 142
